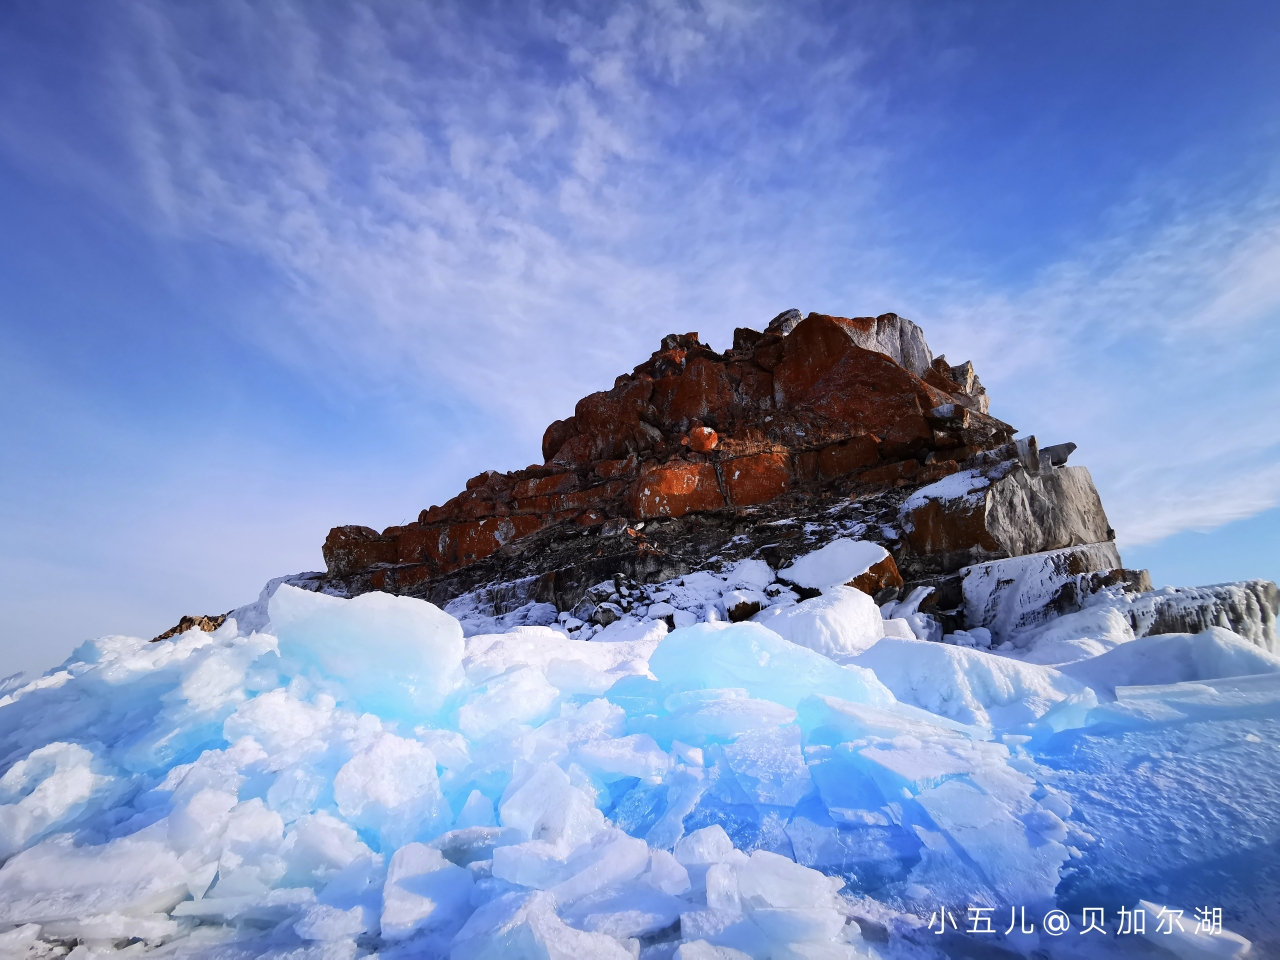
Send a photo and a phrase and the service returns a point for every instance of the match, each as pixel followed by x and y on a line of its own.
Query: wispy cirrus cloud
pixel 1157 345
pixel 506 206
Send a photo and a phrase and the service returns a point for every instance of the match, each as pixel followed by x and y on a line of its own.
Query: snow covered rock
pixel 1214 654
pixel 1248 609
pixel 861 564
pixel 1012 596
pixel 972 516
pixel 842 622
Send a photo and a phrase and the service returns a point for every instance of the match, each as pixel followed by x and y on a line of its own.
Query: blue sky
pixel 266 268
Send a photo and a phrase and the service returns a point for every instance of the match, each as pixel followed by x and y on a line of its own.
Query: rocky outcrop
pixel 1248 608
pixel 1009 511
pixel 206 623
pixel 1013 595
pixel 812 428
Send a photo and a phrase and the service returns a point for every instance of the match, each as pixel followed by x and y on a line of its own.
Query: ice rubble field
pixel 333 778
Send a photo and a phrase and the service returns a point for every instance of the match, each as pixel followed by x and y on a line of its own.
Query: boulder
pixel 545 486
pixel 895 337
pixel 1059 453
pixel 879 577
pixel 674 489
pixel 971 516
pixel 756 479
pixel 703 439
pixel 784 322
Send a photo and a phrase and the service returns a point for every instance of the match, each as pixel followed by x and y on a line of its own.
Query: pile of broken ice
pixel 356 777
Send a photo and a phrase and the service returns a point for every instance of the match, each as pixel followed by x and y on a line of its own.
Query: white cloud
pixel 511 211
pixel 1154 348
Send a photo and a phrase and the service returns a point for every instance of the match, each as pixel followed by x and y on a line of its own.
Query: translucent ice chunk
pixel 548 807
pixel 666 873
pixel 49 788
pixel 424 891
pixel 719 717
pixel 136 875
pixel 770 766
pixel 634 756
pixel 470 844
pixel 317 848
pixel 701 950
pixel 396 656
pixel 322 922
pixel 770 880
pixel 391 786
pixel 521 696
pixel 753 657
pixel 611 858
pixel 1018 870
pixel 708 845
pixel 625 911
pixel 520 926
pixel 15 942
pixel 476 812
pixel 251 846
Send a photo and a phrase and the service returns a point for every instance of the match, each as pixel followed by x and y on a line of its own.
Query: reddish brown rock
pixel 421 543
pixel 768 352
pixel 545 486
pixel 674 489
pixel 932 472
pixel 590 518
pixel 609 425
pixel 702 391
pixel 351 548
pixel 807 466
pixel 891 472
pixel 593 497
pixel 757 479
pixel 465 543
pixel 703 439
pixel 844 458
pixel 824 371
pixel 608 469
pixel 878 577
pixel 556 436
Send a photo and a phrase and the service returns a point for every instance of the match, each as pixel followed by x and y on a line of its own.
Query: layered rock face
pixel 822 425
